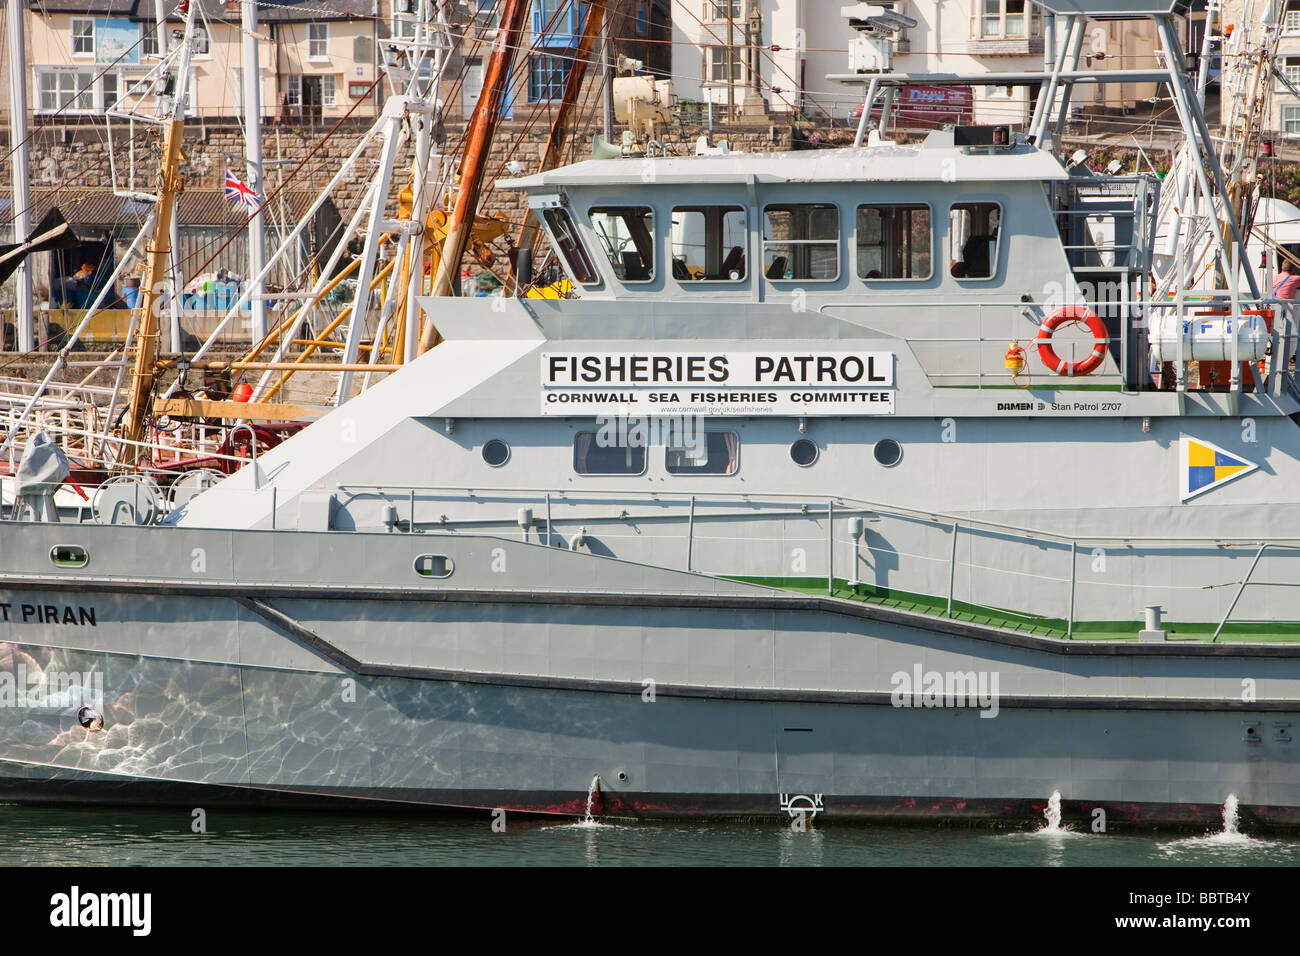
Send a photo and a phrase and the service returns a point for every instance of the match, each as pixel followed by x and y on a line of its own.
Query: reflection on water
pixel 116 837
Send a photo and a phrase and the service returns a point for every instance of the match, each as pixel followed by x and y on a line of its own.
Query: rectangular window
pixel 1291 121
pixel 801 242
pixel 1009 19
pixel 547 75
pixel 202 45
pixel 708 243
pixel 565 238
pixel 894 242
pixel 318 41
pixel 1291 69
pixel 973 229
pixel 148 39
pixel 59 91
pixel 713 10
pixel 717 63
pixel 591 457
pixel 627 237
pixel 83 37
pixel 1291 19
pixel 718 454
pixel 108 90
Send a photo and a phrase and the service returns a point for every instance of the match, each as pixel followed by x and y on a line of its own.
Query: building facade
pixel 780 52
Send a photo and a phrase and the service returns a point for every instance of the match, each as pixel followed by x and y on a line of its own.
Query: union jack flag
pixel 241 192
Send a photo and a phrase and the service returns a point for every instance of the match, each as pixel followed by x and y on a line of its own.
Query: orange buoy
pixel 1069 315
pixel 243 392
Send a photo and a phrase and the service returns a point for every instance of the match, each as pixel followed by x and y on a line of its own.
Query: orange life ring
pixel 1068 316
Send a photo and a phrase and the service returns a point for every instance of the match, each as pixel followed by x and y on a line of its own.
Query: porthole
pixel 433 566
pixel 496 452
pixel 803 452
pixel 69 556
pixel 888 452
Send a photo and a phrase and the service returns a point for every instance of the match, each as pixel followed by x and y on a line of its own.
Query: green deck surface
pixel 1026 623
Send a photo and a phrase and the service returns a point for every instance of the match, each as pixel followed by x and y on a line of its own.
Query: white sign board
pixel 717 383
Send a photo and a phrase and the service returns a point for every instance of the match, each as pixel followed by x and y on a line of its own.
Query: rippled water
pixel 65 836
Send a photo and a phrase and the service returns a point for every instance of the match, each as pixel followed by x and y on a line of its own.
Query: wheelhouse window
pixel 717 454
pixel 894 242
pixel 627 237
pixel 973 239
pixel 591 457
pixel 708 243
pixel 801 242
pixel 565 237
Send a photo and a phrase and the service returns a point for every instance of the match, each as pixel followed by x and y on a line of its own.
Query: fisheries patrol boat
pixel 871 482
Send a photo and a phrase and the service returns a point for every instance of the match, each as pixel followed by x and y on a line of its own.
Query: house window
pixel 709 243
pixel 547 76
pixel 718 11
pixel 310 93
pixel 716 64
pixel 318 41
pixel 83 37
pixel 592 457
pixel 1291 19
pixel 973 229
pixel 801 241
pixel 894 242
pixel 642 18
pixel 71 91
pixel 565 237
pixel 329 90
pixel 717 454
pixel 997 19
pixel 201 43
pixel 1291 69
pixel 148 40
pixel 1291 121
pixel 627 237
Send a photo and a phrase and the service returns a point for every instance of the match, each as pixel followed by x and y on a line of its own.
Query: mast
pixel 478 142
pixel 253 159
pixel 18 136
pixel 157 260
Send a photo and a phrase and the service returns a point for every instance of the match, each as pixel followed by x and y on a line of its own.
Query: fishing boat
pixel 859 483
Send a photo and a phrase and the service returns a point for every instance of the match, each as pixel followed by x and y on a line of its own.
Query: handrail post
pixel 952 568
pixel 410 528
pixel 1237 597
pixel 830 547
pixel 690 533
pixel 257 478
pixel 1074 561
pixel 549 539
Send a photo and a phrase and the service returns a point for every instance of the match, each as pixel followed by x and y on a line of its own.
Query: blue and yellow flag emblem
pixel 1206 466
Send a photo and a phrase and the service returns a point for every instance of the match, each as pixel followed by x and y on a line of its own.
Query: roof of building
pixel 280 11
pixel 197 207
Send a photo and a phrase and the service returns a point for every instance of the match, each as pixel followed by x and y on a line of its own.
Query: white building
pixel 799 42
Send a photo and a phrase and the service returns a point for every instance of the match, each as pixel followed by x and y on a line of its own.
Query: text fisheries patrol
pixel 773 383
